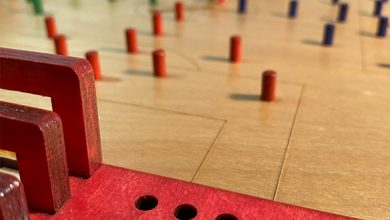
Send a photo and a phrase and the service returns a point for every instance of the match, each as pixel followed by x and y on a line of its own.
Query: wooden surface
pixel 323 144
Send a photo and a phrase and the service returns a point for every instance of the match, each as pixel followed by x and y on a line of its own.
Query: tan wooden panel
pixel 155 141
pixel 338 156
pixel 247 157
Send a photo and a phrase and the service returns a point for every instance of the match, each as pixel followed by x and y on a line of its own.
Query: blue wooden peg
pixel 343 12
pixel 328 34
pixel 293 8
pixel 382 26
pixel 242 4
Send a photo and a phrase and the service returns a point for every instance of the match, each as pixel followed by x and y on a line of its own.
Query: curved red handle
pixel 70 84
pixel 36 137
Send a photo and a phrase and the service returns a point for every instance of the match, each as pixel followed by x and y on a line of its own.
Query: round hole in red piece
pixel 185 212
pixel 226 217
pixel 146 203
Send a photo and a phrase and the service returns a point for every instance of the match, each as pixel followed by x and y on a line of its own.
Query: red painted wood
pixel 13 204
pixel 159 65
pixel 36 137
pixel 111 193
pixel 179 9
pixel 61 45
pixel 268 86
pixel 70 84
pixel 235 49
pixel 157 20
pixel 131 40
pixel 51 28
pixel 93 58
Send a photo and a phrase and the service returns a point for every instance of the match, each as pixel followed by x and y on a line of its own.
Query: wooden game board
pixel 323 144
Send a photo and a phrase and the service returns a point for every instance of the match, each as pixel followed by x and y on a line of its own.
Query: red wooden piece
pixel 115 193
pixel 70 84
pixel 157 24
pixel 159 65
pixel 179 8
pixel 131 40
pixel 37 139
pixel 61 45
pixel 13 204
pixel 235 49
pixel 268 86
pixel 93 58
pixel 50 26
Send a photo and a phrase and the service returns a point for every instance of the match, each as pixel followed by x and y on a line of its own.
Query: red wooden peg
pixel 50 26
pixel 93 58
pixel 268 86
pixel 131 40
pixel 179 8
pixel 70 84
pixel 61 45
pixel 13 204
pixel 235 49
pixel 157 24
pixel 37 139
pixel 159 65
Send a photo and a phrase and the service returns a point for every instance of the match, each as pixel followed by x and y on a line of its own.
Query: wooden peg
pixel 61 45
pixel 93 58
pixel 268 87
pixel 51 28
pixel 157 24
pixel 131 40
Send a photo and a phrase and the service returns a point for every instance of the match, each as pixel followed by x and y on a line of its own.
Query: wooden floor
pixel 323 144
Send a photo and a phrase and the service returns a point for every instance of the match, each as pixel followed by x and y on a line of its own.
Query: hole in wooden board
pixel 185 212
pixel 226 217
pixel 146 203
